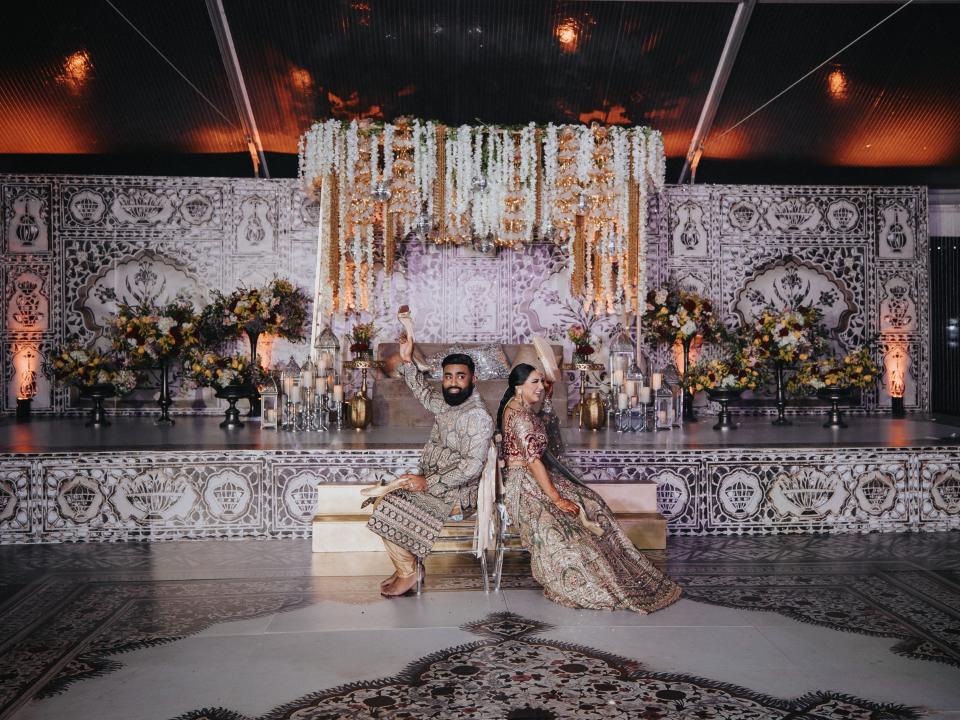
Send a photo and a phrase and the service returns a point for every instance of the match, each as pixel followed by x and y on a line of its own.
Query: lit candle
pixel 644 395
pixel 618 378
pixel 324 361
pixel 338 393
pixel 322 385
pixel 656 381
pixel 631 388
pixel 662 415
pixel 295 394
pixel 622 401
pixel 270 415
pixel 306 379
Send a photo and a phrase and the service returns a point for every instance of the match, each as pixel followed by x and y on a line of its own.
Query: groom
pixel 409 520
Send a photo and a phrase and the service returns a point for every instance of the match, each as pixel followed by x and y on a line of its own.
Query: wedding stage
pixel 61 481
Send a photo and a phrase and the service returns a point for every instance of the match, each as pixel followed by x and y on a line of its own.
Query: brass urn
pixel 361 410
pixel 594 411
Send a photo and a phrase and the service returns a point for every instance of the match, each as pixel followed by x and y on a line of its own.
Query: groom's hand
pixel 406 348
pixel 414 483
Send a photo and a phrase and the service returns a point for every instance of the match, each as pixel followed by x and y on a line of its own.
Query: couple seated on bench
pixel 578 552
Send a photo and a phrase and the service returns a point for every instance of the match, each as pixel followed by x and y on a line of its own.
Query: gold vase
pixel 361 410
pixel 594 412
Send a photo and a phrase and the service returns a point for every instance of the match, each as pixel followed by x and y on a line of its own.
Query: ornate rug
pixel 513 674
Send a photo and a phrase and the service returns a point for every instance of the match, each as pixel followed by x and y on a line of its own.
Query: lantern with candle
pixel 327 353
pixel 620 360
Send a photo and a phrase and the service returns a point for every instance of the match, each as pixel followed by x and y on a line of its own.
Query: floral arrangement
pixel 580 337
pixel 733 374
pixel 856 369
pixel 787 336
pixel 505 185
pixel 675 315
pixel 146 335
pixel 362 335
pixel 210 369
pixel 279 308
pixel 78 366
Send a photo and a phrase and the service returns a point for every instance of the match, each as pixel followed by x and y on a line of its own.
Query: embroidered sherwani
pixel 451 462
pixel 575 567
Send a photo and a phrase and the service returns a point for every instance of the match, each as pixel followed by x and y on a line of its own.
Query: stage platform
pixel 61 481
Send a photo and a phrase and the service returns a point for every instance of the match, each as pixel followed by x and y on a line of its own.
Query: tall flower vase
pixel 781 395
pixel 164 400
pixel 688 415
pixel 255 405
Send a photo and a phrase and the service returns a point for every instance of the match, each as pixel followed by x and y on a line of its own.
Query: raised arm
pixel 463 465
pixel 429 396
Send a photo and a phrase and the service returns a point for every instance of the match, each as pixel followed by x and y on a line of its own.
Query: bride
pixel 582 558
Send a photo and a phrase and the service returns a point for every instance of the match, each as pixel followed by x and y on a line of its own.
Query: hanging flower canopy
pixel 584 187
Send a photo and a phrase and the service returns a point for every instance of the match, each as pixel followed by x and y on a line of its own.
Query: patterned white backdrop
pixel 70 244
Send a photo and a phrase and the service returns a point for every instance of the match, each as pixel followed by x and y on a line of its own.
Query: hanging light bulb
pixel 381 191
pixel 583 205
pixel 486 244
pixel 547 232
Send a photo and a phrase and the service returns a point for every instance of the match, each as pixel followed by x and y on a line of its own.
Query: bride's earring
pixel 519 396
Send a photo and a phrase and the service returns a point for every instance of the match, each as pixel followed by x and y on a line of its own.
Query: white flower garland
pixel 515 164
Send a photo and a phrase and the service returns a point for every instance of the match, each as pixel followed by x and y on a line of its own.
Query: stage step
pixel 648 531
pixel 341 526
pixel 634 497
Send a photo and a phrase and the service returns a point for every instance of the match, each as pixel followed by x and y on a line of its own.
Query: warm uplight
pixel 615 115
pixel 567 33
pixel 76 70
pixel 27 364
pixel 301 79
pixel 837 84
pixel 895 364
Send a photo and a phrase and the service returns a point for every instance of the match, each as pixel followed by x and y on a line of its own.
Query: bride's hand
pixel 567 506
pixel 406 348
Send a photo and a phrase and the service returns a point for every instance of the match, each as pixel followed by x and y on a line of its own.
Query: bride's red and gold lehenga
pixel 576 567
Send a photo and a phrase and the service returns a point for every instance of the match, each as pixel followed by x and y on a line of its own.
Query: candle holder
pixel 648 423
pixel 638 418
pixel 620 420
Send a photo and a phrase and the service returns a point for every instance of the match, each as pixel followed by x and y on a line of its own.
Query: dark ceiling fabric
pixel 76 80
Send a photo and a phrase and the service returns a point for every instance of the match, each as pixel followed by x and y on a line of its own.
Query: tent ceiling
pixel 77 80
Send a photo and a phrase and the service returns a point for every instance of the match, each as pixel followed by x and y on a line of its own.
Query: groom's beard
pixel 457 396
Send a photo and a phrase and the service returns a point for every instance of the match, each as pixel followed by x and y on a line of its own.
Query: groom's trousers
pixel 403 560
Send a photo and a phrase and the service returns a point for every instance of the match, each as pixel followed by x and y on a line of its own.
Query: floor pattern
pixel 514 674
pixel 70 612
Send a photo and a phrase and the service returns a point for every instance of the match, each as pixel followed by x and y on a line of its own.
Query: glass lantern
pixel 635 381
pixel 327 352
pixel 671 379
pixel 269 405
pixel 621 357
pixel 663 407
pixel 290 394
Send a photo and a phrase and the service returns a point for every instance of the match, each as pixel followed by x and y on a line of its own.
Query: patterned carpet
pixel 71 612
pixel 513 674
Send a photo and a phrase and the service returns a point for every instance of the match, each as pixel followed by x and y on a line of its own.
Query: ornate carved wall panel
pixel 250 493
pixel 71 246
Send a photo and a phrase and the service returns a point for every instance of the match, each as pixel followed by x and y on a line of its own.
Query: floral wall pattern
pixel 71 245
